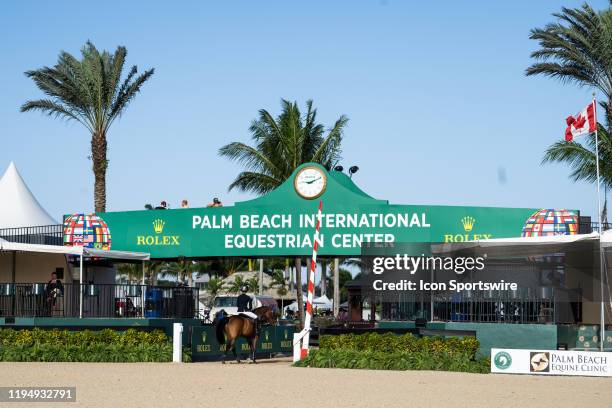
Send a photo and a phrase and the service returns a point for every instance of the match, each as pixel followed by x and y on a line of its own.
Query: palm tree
pixel 184 269
pixel 154 269
pixel 236 285
pixel 89 91
pixel 222 267
pixel 253 284
pixel 279 147
pixel 214 286
pixel 278 280
pixel 578 49
pixel 133 272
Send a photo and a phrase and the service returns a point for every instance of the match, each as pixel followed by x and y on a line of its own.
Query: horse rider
pixel 244 302
pixel 245 305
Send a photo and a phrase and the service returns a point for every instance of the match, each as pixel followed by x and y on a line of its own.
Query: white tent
pixel 73 250
pixel 321 303
pixel 19 207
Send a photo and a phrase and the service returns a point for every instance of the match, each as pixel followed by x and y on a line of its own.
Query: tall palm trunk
pixel 100 164
pixel 323 283
pixel 298 290
pixel 153 274
pixel 610 115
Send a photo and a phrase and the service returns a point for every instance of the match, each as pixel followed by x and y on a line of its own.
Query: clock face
pixel 310 182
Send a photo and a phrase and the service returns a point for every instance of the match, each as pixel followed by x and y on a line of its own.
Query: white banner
pixel 551 362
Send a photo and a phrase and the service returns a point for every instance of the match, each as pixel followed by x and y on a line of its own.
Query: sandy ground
pixel 274 383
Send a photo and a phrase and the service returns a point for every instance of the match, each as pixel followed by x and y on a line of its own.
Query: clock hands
pixel 312 181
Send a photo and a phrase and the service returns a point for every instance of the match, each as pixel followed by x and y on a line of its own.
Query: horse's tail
pixel 219 330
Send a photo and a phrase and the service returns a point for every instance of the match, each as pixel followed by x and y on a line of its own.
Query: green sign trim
pixel 272 339
pixel 281 223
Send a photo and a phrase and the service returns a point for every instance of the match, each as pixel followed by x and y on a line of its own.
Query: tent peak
pixel 19 208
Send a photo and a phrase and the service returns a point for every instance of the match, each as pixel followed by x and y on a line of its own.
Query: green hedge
pixel 406 343
pixel 86 346
pixel 397 352
pixel 129 337
pixel 381 360
pixel 88 353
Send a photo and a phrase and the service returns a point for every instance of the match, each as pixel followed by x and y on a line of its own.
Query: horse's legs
pixel 226 351
pixel 233 346
pixel 253 345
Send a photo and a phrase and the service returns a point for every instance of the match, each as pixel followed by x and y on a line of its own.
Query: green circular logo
pixel 502 360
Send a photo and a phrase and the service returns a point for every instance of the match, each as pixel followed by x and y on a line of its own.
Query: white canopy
pixel 321 303
pixel 19 207
pixel 74 250
pixel 551 239
pixel 524 241
pixel 522 246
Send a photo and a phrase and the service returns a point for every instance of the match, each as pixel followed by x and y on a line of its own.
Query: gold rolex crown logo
pixel 158 226
pixel 468 223
pixel 204 337
pixel 267 336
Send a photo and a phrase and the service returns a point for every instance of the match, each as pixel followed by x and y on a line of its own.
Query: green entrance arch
pixel 281 223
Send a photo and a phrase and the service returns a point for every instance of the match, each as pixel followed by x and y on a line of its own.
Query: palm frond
pixel 54 109
pixel 128 93
pixel 87 90
pixel 282 144
pixel 254 182
pixel 576 49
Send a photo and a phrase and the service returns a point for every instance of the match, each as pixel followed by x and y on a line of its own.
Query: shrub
pixel 406 343
pixel 381 360
pixel 389 351
pixel 88 353
pixel 86 346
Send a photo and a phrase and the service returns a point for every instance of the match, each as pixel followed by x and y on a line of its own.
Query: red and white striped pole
pixel 311 285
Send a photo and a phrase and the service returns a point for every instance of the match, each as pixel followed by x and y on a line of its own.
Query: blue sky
pixel 440 110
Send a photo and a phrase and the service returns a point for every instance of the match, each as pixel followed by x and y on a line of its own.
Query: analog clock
pixel 310 182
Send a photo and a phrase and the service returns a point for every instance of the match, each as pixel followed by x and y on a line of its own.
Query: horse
pixel 229 328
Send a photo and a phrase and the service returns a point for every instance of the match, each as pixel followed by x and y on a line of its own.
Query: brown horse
pixel 229 328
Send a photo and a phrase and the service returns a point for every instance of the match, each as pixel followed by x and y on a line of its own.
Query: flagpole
pixel 602 321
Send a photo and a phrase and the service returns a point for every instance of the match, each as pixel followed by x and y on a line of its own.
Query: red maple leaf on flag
pixel 581 124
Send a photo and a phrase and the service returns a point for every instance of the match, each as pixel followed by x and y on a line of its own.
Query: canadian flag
pixel 582 124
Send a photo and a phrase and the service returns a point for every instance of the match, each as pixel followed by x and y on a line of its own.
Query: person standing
pixel 54 289
pixel 215 203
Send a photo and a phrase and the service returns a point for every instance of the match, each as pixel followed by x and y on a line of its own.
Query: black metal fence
pixel 525 306
pixel 43 234
pixel 99 300
pixel 500 307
